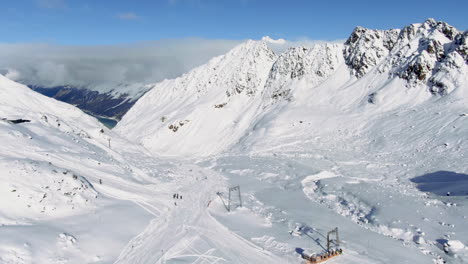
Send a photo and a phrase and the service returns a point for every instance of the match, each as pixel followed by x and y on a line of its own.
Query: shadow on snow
pixel 443 183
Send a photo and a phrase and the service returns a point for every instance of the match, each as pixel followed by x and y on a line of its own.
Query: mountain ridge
pixel 374 60
pixel 315 141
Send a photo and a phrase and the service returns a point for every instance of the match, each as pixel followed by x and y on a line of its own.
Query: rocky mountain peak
pixel 461 43
pixel 449 31
pixel 252 48
pixel 423 50
pixel 416 53
pixel 365 48
pixel 236 72
pixel 241 69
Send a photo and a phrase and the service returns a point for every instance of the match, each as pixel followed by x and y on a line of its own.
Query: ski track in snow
pixel 187 232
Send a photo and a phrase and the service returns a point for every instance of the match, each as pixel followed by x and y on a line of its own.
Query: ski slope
pixel 314 138
pixel 385 112
pixel 131 217
pixel 187 233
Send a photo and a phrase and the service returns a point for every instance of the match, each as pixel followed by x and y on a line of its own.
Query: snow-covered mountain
pixel 359 136
pixel 432 53
pixel 206 109
pixel 209 109
pixel 365 48
pixel 310 65
pixel 374 130
pixel 74 192
pixel 213 106
pixel 111 104
pixel 60 180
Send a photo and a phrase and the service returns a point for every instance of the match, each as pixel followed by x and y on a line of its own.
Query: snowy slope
pixel 302 64
pixel 385 112
pixel 348 136
pixel 52 207
pixel 204 110
pixel 209 109
pixel 396 146
pixel 69 197
pixel 212 107
pixel 396 160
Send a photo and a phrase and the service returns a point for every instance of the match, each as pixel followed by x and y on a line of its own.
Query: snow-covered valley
pixel 370 136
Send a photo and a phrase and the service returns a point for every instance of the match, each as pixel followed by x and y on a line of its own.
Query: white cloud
pixel 11 74
pixel 128 16
pixel 274 41
pixel 104 67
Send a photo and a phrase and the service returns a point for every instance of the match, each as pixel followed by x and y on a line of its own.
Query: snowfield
pixel 370 136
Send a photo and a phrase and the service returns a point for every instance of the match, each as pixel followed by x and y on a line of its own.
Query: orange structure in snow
pixel 323 257
pixel 330 253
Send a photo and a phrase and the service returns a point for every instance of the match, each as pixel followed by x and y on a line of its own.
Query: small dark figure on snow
pixel 100 181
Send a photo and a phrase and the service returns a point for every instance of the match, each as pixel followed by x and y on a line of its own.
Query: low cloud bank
pixel 104 68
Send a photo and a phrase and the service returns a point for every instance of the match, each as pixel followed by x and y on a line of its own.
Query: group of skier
pixel 176 196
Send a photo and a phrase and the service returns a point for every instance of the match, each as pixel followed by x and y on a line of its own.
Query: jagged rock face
pixel 461 43
pixel 365 48
pixel 447 72
pixel 430 53
pixel 425 52
pixel 316 64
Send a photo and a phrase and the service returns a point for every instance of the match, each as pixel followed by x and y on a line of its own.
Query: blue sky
pixel 99 22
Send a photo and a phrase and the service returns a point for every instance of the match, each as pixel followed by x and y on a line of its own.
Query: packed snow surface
pixel 316 138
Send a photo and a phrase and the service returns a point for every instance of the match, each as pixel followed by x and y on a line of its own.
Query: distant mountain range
pixel 101 104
